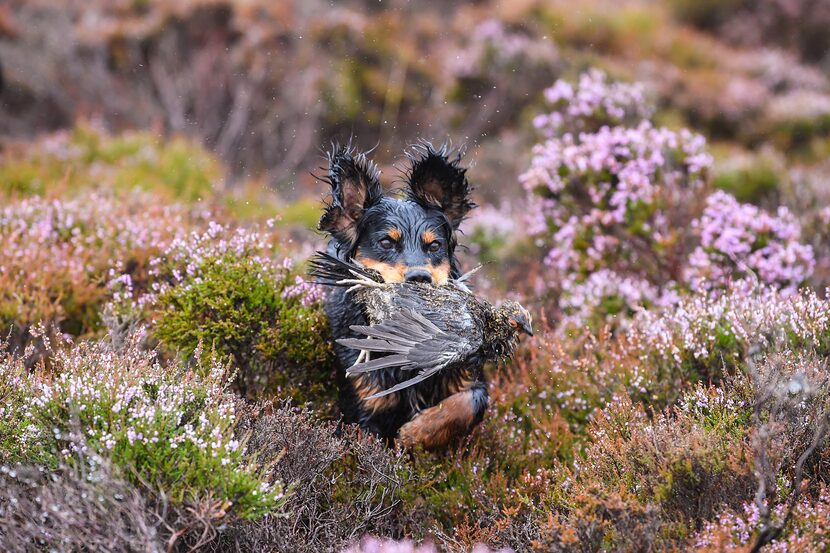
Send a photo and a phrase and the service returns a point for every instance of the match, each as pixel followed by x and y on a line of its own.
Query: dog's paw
pixel 411 434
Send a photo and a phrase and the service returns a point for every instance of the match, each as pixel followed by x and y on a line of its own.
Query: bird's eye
pixel 514 323
pixel 435 246
pixel 387 243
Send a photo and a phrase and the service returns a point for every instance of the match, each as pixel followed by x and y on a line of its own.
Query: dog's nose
pixel 418 275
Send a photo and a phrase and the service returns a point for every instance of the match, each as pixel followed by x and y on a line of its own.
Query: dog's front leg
pixel 454 417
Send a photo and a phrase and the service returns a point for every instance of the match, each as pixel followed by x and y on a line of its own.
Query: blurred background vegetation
pixel 262 86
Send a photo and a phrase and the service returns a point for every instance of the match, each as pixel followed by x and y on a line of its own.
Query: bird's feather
pixel 405 384
pixel 414 342
pixel 329 270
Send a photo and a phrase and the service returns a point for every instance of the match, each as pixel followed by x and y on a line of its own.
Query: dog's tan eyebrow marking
pixel 429 236
pixel 394 233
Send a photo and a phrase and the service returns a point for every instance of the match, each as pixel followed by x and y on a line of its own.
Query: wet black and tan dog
pixel 409 237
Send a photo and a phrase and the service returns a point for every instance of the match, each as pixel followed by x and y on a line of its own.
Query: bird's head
pixel 518 317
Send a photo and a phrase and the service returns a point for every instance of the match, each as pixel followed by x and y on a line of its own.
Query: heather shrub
pixel 573 375
pixel 14 380
pixel 612 203
pixel 577 374
pixel 603 521
pixel 737 240
pixel 56 256
pixel 600 28
pixel 165 427
pixel 74 509
pixel 223 288
pixel 806 194
pixel 762 97
pixel 736 529
pixel 751 179
pixel 790 415
pixel 494 48
pixel 489 231
pixel 793 121
pixel 469 495
pixel 85 158
pixel 748 97
pixel 622 209
pixel 702 337
pixel 591 104
pixel 668 472
pixel 617 181
pixel 716 472
pixel 344 485
pixel 708 331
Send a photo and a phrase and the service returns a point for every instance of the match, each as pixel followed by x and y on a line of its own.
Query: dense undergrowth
pixel 654 191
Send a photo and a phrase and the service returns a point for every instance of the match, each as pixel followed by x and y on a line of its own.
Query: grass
pixel 84 158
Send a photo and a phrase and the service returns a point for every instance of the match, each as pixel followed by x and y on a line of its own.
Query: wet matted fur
pixel 406 237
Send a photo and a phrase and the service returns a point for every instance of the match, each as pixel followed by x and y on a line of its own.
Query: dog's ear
pixel 436 180
pixel 355 186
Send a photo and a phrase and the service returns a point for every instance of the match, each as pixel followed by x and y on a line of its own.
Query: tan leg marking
pixel 364 388
pixel 435 427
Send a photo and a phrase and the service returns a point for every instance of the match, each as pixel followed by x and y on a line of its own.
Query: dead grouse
pixel 420 327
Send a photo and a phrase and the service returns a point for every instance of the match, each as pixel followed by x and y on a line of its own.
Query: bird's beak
pixel 522 324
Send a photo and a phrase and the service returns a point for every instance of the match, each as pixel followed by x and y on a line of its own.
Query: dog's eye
pixel 387 243
pixel 434 246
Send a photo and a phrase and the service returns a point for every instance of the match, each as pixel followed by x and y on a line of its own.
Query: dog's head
pixel 411 238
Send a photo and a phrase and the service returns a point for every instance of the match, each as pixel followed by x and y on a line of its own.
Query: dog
pixel 408 237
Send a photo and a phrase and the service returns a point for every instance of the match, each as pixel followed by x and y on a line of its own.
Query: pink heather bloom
pixel 308 292
pixel 741 527
pixel 490 221
pixel 592 103
pixel 737 240
pixel 605 287
pixel 604 197
pixel 184 261
pixel 747 311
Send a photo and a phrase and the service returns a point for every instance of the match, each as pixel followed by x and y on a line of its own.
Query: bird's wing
pixel 331 271
pixel 413 343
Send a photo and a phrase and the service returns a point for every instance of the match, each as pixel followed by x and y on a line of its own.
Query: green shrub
pixel 344 483
pixel 224 290
pixel 797 131
pixel 174 169
pixel 753 183
pixel 13 382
